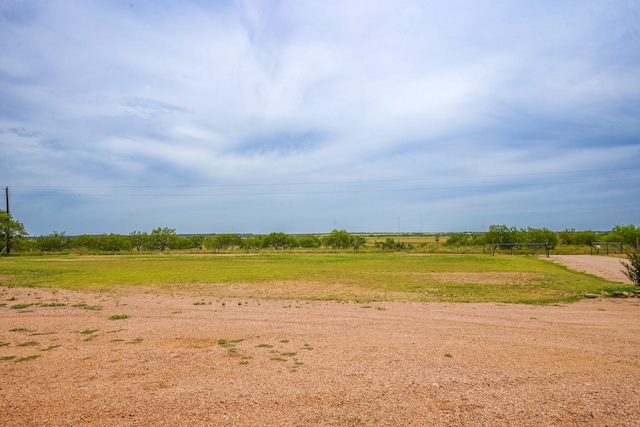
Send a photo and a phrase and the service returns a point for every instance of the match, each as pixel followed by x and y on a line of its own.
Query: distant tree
pixel 626 234
pixel 276 240
pixel 501 234
pixel 196 241
pixel 222 242
pixel 309 242
pixel 14 229
pixel 85 241
pixel 540 235
pixel 161 238
pixel 114 242
pixel 337 239
pixel 54 242
pixel 139 240
pixel 357 242
pixel 252 243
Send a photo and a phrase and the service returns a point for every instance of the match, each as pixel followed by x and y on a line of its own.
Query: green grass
pixel 364 277
pixel 21 306
pixel 88 307
pixel 20 330
pixel 51 347
pixel 26 358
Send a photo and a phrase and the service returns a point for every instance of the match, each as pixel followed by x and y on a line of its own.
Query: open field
pixel 131 341
pixel 348 276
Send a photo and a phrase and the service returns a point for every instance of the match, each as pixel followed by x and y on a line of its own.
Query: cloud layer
pixel 303 116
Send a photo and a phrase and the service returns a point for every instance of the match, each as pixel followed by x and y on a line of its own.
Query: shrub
pixel 632 268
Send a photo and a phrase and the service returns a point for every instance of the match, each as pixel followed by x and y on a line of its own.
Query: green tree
pixel 276 240
pixel 252 243
pixel 337 239
pixel 501 234
pixel 85 241
pixel 540 235
pixel 222 242
pixel 11 228
pixel 161 238
pixel 139 239
pixel 54 242
pixel 309 242
pixel 626 234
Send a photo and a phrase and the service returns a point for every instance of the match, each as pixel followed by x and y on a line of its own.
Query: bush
pixel 632 268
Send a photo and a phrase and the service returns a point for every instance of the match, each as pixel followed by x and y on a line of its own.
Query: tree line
pixel 165 238
pixel 502 234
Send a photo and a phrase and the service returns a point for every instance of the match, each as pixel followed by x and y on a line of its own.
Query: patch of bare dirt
pixel 180 360
pixel 609 268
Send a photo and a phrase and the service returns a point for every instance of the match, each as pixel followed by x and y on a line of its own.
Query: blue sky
pixel 305 116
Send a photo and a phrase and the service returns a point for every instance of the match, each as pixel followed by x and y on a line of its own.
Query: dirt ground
pixel 179 360
pixel 608 267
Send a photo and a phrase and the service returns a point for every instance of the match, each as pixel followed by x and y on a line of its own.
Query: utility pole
pixel 6 192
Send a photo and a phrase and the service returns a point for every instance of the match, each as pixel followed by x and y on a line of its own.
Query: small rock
pixel 591 295
pixel 621 294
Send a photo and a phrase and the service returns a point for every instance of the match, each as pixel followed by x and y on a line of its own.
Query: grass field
pixel 349 276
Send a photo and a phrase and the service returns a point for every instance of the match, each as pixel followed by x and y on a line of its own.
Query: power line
pixel 380 181
pixel 292 193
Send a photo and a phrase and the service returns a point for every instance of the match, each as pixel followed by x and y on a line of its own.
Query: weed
pixel 53 304
pixel 199 303
pixel 20 330
pixel 89 331
pixel 24 359
pixel 87 307
pixel 91 338
pixel 3 305
pixel 28 344
pixel 237 341
pixel 117 330
pixel 448 355
pixel 299 363
pixel 380 308
pixel 136 341
pixel 223 342
pixel 244 362
pixel 117 340
pixel 278 359
pixel 290 354
pixel 21 306
pixel 119 317
pixel 51 347
pixel 264 346
pixel 7 358
pixel 4 344
pixel 307 347
pixel 41 333
pixel 366 306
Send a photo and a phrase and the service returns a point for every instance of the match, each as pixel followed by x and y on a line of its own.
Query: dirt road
pixel 190 361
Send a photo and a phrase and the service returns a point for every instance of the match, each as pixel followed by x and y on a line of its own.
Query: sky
pixel 305 116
